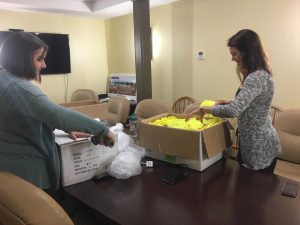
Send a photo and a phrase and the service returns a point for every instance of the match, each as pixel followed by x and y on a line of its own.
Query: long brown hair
pixel 253 54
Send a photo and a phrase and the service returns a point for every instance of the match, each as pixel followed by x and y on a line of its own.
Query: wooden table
pixel 223 194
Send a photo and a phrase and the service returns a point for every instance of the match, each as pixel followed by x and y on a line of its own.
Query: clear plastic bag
pixel 126 164
pixel 127 161
pixel 123 139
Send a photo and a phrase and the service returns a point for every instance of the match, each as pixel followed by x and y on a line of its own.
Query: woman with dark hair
pixel 259 144
pixel 28 117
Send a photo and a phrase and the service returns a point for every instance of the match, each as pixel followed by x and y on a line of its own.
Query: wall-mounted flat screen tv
pixel 58 57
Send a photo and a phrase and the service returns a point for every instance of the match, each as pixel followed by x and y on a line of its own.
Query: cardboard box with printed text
pixel 81 160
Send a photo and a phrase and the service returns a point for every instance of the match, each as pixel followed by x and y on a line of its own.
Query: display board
pixel 122 84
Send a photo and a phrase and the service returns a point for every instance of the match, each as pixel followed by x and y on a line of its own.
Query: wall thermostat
pixel 201 55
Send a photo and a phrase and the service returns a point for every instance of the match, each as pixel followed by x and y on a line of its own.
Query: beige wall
pixel 120 45
pixel 187 26
pixel 277 22
pixel 87 47
pixel 162 69
pixel 180 30
pixel 121 55
pixel 182 35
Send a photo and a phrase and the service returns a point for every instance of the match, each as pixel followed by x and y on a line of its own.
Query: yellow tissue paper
pixel 192 124
pixel 207 103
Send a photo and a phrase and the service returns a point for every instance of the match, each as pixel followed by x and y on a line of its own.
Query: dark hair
pixel 16 54
pixel 253 54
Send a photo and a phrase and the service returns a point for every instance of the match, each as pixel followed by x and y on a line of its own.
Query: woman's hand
pixel 108 140
pixel 110 136
pixel 199 112
pixel 196 113
pixel 74 135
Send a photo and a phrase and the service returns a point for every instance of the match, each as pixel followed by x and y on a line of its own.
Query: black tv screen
pixel 58 57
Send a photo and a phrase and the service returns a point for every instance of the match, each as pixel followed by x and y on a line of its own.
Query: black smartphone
pixel 173 177
pixel 289 189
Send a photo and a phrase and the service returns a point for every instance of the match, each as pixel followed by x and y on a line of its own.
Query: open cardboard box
pixel 197 149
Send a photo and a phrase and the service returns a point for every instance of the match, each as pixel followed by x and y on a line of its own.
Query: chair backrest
pixel 23 203
pixel 151 107
pixel 181 103
pixel 118 109
pixel 191 107
pixel 83 94
pixel 275 110
pixel 287 125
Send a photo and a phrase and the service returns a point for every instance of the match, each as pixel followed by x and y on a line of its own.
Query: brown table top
pixel 223 194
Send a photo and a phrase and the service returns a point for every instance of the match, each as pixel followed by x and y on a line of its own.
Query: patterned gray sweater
pixel 259 142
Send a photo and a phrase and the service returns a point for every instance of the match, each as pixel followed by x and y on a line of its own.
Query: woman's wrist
pixel 206 109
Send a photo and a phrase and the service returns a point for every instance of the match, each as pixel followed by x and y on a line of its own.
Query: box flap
pixel 215 139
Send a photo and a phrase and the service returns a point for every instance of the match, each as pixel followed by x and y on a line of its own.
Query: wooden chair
pixel 274 112
pixel 181 103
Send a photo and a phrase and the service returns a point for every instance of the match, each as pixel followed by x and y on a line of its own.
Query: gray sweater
pixel 259 143
pixel 27 120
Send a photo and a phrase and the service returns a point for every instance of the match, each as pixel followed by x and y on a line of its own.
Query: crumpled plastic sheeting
pixel 127 162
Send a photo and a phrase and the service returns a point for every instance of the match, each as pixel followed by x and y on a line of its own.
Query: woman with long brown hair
pixel 258 141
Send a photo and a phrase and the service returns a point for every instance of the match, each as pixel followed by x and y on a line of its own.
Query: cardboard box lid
pixel 180 142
